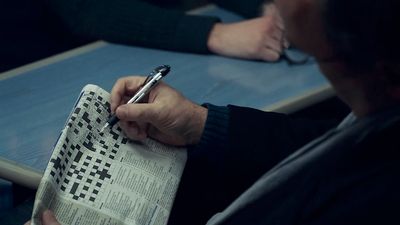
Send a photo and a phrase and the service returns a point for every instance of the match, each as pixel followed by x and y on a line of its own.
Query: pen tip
pixel 104 127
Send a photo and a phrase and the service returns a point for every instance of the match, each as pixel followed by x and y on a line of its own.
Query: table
pixel 36 99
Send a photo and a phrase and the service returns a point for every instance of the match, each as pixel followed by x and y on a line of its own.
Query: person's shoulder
pixel 361 185
pixel 385 137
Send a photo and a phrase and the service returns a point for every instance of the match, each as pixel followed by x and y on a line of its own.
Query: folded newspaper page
pixel 106 178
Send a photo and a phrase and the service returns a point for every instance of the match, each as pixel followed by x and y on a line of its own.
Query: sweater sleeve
pixel 238 145
pixel 134 22
pixel 248 9
pixel 247 141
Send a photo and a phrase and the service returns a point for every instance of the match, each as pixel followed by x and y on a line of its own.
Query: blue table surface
pixel 35 104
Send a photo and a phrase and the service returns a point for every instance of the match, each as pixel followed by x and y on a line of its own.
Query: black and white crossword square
pixel 85 159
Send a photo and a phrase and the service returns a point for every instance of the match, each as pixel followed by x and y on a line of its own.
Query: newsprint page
pixel 105 178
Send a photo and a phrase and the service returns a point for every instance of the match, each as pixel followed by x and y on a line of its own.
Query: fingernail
pixel 121 111
pixel 48 213
pixel 286 43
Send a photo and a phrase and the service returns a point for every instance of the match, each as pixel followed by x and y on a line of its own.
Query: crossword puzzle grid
pixel 84 162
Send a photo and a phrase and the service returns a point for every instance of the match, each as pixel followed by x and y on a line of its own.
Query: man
pixel 251 167
pixel 32 30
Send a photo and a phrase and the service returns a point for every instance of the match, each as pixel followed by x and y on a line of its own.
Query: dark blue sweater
pixel 253 167
pixel 34 29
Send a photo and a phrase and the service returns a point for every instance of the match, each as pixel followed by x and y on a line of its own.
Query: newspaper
pixel 105 178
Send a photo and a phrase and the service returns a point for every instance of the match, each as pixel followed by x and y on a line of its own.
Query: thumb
pixel 48 218
pixel 143 112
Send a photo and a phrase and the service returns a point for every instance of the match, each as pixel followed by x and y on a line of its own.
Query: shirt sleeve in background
pixel 134 22
pixel 246 8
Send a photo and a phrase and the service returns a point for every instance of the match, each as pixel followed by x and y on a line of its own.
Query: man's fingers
pixel 133 130
pixel 48 218
pixel 286 43
pixel 145 112
pixel 117 92
pixel 142 132
pixel 274 33
pixel 124 86
pixel 273 44
pixel 272 10
pixel 268 54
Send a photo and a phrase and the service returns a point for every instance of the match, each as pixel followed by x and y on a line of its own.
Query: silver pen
pixel 152 80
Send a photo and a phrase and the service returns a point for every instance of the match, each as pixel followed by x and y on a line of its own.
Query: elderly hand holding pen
pixel 167 116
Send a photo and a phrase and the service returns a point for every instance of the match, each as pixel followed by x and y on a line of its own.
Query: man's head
pixel 359 32
pixel 360 35
pixel 364 33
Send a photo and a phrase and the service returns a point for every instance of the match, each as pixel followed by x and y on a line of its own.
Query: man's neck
pixel 363 93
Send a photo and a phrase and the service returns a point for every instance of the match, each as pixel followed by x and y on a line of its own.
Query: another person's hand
pixel 48 218
pixel 167 117
pixel 260 38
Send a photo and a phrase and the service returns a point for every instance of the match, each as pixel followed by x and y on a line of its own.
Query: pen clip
pixel 147 79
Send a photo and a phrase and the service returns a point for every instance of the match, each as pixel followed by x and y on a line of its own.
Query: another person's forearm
pixel 256 39
pixel 135 22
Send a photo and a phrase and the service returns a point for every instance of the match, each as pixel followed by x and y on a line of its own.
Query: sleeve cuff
pixel 216 130
pixel 192 33
pixel 248 9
